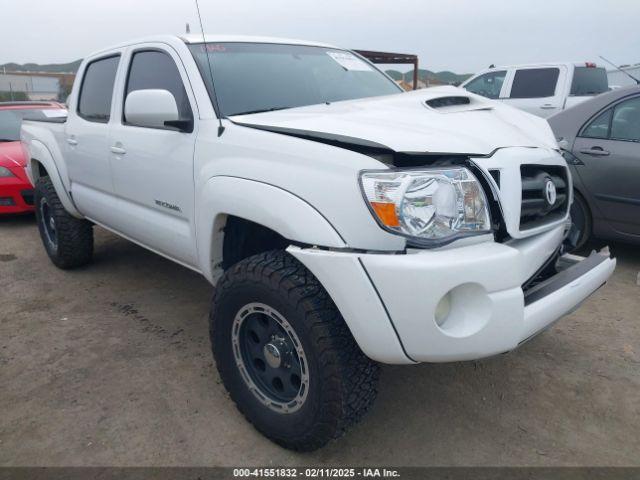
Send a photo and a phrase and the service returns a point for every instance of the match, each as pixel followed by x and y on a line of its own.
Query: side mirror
pixel 153 108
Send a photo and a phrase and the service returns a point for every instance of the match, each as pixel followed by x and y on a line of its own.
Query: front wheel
pixel 67 240
pixel 285 354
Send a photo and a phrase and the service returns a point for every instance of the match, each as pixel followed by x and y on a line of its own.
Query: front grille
pixel 536 209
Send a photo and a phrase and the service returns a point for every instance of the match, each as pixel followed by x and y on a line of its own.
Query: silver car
pixel 601 139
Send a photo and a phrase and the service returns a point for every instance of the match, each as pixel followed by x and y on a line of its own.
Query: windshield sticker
pixel 55 113
pixel 349 62
pixel 213 47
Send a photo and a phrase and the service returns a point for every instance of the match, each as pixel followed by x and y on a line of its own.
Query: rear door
pixel 538 90
pixel 85 146
pixel 609 147
pixel 153 167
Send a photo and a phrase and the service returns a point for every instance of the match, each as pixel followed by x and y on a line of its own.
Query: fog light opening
pixel 443 309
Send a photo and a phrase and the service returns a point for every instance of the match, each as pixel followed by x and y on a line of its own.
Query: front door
pixel 609 147
pixel 153 167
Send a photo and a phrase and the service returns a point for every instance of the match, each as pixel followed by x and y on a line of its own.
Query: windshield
pixel 589 81
pixel 11 120
pixel 258 77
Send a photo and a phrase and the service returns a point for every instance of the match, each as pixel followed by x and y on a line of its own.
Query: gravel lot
pixel 110 365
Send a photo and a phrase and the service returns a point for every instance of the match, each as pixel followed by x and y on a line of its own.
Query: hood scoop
pixel 448 102
pixel 455 103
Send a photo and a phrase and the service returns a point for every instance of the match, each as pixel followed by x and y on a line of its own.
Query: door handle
pixel 548 106
pixel 595 152
pixel 72 141
pixel 118 150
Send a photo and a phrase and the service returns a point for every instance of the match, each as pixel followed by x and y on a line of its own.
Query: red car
pixel 16 193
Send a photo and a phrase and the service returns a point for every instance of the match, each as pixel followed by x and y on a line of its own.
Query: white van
pixel 542 89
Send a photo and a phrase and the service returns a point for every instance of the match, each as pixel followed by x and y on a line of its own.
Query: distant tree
pixel 13 96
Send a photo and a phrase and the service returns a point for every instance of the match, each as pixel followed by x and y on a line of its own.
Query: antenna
pixel 187 29
pixel 621 70
pixel 213 88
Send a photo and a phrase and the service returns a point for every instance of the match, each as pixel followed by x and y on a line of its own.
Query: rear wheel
pixel 67 240
pixel 285 354
pixel 581 221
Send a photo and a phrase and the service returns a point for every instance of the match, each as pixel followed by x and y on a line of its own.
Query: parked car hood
pixel 11 155
pixel 407 123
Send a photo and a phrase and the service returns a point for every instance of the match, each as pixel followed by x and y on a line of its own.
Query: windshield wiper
pixel 7 140
pixel 263 110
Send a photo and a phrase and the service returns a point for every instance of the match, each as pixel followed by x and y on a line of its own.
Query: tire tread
pixel 351 378
pixel 75 236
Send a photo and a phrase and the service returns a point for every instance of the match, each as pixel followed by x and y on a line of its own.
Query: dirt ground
pixel 110 365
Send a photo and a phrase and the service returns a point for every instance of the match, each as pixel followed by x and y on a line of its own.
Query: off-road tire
pixel 74 237
pixel 342 380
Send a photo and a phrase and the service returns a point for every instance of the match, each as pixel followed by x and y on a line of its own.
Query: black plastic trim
pixel 564 278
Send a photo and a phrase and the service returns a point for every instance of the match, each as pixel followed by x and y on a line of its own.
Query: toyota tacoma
pixel 344 223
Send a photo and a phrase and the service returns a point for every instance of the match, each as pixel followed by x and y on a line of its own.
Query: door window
pixel 625 124
pixel 599 127
pixel 488 85
pixel 97 89
pixel 621 122
pixel 535 83
pixel 152 69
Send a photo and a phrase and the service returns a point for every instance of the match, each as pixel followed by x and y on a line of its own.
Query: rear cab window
pixel 589 81
pixel 535 82
pixel 96 91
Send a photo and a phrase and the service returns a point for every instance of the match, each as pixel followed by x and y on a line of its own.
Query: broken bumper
pixel 457 304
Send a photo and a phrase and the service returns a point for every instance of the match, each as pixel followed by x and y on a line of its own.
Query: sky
pixel 463 36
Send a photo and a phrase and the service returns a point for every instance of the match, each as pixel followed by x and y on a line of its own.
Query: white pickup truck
pixel 543 88
pixel 343 222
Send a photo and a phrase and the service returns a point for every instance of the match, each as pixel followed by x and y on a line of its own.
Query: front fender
pixel 270 206
pixel 39 153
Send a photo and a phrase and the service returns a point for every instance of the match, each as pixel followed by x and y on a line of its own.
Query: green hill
pixel 424 75
pixel 71 67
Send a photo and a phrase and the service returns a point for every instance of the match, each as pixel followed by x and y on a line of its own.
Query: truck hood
pixel 11 155
pixel 433 120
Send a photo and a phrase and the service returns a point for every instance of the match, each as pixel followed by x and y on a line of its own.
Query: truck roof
pixel 212 38
pixel 545 64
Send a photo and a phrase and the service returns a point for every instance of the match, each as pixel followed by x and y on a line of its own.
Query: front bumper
pixel 390 301
pixel 16 196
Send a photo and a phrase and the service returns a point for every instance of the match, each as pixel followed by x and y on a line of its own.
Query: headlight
pixel 5 172
pixel 432 206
